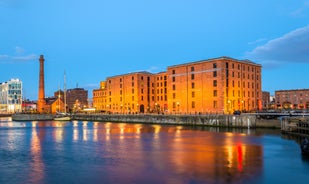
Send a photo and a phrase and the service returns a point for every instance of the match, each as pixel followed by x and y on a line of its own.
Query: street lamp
pixel 137 108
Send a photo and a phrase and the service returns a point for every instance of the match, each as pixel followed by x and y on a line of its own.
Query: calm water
pixel 94 152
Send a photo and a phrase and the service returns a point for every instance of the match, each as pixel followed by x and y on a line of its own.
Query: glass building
pixel 11 96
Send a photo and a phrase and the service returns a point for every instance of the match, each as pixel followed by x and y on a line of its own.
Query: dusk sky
pixel 94 39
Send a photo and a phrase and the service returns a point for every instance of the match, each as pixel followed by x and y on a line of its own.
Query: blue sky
pixel 94 39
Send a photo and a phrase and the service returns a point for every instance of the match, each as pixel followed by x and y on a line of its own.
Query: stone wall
pixel 206 120
pixel 32 117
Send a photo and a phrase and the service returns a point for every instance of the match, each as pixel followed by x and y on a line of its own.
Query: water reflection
pixel 133 153
pixel 36 164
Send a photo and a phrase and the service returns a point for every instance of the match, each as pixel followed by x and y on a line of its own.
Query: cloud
pixel 302 11
pixel 257 41
pixel 19 50
pixel 4 56
pixel 291 47
pixel 19 56
pixel 25 58
pixel 92 86
pixel 153 69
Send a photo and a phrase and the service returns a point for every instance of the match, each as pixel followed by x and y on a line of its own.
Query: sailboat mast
pixel 65 93
pixel 59 97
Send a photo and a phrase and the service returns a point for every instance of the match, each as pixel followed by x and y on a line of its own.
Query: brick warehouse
pixel 219 85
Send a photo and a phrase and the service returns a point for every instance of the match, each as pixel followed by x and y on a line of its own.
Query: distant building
pixel 29 106
pixel 292 99
pixel 219 85
pixel 265 100
pixel 11 96
pixel 99 97
pixel 76 99
pixel 53 105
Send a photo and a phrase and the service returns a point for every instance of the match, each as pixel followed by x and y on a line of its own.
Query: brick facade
pixel 292 99
pixel 219 85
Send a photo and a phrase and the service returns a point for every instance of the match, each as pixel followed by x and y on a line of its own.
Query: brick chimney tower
pixel 41 98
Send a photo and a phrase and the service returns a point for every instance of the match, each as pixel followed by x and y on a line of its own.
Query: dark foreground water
pixel 93 152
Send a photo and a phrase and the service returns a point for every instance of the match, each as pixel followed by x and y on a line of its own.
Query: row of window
pixel 193 105
pixel 214 65
pixel 142 78
pixel 215 84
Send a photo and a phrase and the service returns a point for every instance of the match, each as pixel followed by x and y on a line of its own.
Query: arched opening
pixel 142 109
pixel 287 105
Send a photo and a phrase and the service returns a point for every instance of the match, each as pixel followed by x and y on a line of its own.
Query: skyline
pixel 93 41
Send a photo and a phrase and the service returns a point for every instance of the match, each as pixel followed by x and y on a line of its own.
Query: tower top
pixel 41 57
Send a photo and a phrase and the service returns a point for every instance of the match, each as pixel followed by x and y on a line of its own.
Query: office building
pixel 11 96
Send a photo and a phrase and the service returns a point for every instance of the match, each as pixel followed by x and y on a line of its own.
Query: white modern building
pixel 11 96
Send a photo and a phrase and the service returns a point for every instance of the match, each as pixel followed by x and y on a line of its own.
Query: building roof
pixel 215 59
pixel 291 90
pixel 132 73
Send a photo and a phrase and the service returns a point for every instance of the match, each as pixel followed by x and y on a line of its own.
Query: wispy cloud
pixel 18 56
pixel 302 11
pixel 257 41
pixel 291 47
pixel 19 50
pixel 30 57
pixel 153 69
pixel 4 56
pixel 91 86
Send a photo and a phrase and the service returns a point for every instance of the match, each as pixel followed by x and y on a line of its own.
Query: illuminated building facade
pixel 130 93
pixel 11 96
pixel 219 85
pixel 292 99
pixel 161 93
pixel 76 99
pixel 99 97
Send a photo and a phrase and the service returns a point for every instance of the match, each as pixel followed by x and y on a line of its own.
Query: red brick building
pixel 219 85
pixel 292 99
pixel 76 99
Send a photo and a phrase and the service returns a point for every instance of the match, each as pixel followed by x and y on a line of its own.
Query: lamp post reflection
pixel 37 166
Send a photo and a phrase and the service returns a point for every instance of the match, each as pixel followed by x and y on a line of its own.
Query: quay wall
pixel 298 126
pixel 242 121
pixel 32 117
pixel 268 123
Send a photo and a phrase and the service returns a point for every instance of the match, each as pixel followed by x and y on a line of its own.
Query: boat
pixel 304 146
pixel 63 116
